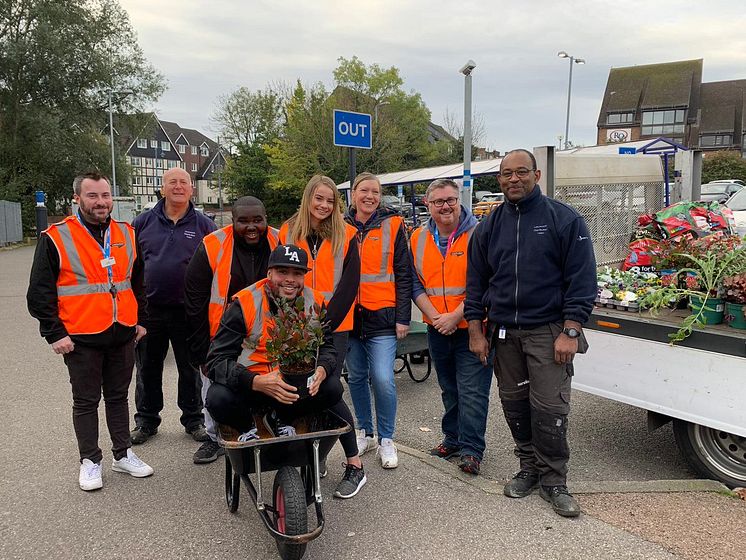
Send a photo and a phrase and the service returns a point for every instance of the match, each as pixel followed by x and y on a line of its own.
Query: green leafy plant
pixel 702 278
pixel 295 334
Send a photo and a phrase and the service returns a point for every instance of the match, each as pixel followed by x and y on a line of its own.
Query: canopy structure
pixel 428 174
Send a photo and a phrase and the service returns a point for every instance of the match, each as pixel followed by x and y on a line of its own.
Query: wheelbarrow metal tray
pixel 276 452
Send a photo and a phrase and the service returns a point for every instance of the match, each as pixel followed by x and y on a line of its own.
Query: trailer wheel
pixel 291 513
pixel 712 453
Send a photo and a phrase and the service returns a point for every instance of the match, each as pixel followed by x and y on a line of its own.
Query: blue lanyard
pixel 106 249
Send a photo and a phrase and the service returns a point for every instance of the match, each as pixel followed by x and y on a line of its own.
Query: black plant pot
pixel 299 380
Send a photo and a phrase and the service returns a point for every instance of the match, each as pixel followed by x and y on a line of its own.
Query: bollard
pixel 41 212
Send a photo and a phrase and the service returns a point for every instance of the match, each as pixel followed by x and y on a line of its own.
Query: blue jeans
pixel 370 362
pixel 465 385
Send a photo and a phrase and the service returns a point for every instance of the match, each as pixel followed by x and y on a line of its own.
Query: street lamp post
pixel 563 54
pixel 114 187
pixel 375 110
pixel 466 70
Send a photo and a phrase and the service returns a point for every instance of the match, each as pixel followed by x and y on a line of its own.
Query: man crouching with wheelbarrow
pixel 248 392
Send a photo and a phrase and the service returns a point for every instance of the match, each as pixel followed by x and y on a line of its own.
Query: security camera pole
pixel 466 189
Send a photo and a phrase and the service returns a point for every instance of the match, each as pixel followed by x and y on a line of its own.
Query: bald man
pixel 231 259
pixel 168 236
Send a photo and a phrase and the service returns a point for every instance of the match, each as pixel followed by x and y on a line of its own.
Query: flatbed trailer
pixel 699 383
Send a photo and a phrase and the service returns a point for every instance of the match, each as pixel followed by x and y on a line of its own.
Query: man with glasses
pixel 532 273
pixel 439 287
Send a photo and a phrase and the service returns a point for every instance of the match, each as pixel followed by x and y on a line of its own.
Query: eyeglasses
pixel 521 173
pixel 439 202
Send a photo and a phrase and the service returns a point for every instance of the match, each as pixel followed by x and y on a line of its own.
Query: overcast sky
pixel 207 49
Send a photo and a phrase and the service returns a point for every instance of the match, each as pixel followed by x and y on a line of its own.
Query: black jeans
pixel 93 370
pixel 166 324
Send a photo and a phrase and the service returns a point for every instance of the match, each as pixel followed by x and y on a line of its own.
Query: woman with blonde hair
pixel 382 315
pixel 334 262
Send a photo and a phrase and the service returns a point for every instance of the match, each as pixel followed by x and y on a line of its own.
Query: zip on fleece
pixel 517 250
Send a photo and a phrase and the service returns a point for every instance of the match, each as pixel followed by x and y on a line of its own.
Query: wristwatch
pixel 571 332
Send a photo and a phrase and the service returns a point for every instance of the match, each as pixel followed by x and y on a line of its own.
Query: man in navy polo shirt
pixel 168 236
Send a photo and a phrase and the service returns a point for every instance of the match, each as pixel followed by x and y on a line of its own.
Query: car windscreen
pixel 737 202
pixel 714 189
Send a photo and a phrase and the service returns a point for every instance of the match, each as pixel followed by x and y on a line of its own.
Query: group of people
pixel 511 293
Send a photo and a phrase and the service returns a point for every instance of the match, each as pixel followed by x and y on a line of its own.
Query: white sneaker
pixel 365 443
pixel 132 465
pixel 387 453
pixel 90 475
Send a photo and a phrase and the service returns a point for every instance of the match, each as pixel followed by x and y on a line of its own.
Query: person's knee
pixel 330 391
pixel 220 402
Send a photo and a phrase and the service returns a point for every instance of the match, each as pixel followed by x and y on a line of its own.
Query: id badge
pixel 106 263
pixel 501 333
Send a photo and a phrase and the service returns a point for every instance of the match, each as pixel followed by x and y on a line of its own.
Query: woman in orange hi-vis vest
pixel 382 315
pixel 319 229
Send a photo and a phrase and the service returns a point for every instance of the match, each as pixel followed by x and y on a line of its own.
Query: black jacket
pixel 530 264
pixel 226 347
pixel 41 297
pixel 380 322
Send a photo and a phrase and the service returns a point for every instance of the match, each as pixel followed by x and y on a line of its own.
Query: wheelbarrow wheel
pixel 291 513
pixel 232 486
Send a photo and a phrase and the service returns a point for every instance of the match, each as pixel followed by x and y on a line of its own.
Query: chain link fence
pixel 611 212
pixel 11 230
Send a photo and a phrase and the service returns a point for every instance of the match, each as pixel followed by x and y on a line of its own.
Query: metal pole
pixel 113 156
pixel 41 213
pixel 569 90
pixel 352 166
pixel 466 190
pixel 220 183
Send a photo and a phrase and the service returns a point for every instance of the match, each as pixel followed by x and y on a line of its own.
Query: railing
pixel 11 229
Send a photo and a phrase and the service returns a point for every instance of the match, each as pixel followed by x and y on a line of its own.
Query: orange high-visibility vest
pixel 325 269
pixel 444 279
pixel 219 249
pixel 258 320
pixel 88 301
pixel 377 287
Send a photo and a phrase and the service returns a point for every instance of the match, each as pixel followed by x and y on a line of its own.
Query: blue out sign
pixel 352 130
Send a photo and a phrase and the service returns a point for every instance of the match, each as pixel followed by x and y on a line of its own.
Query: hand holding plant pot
pixel 295 336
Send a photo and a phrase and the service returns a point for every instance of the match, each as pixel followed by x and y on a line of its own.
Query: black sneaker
pixel 522 485
pixel 276 426
pixel 352 481
pixel 141 434
pixel 444 451
pixel 562 501
pixel 323 471
pixel 198 433
pixel 469 464
pixel 208 452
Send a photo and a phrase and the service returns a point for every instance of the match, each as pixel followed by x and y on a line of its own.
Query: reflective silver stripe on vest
pixel 86 289
pixel 215 296
pixel 257 327
pixel 382 275
pixel 76 265
pixel 419 253
pixel 448 291
pixel 273 235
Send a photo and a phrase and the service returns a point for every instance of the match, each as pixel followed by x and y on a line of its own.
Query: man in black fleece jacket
pixel 532 273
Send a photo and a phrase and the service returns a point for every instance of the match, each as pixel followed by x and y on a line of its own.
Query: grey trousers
pixel 535 394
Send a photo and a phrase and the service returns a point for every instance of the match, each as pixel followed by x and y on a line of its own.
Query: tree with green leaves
pixel 723 164
pixel 58 61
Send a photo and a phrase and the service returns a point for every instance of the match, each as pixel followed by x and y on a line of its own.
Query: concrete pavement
pixel 423 509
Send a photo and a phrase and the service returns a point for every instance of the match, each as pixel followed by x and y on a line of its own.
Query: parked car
pixel 390 200
pixel 719 191
pixel 737 203
pixel 478 195
pixel 488 203
pixel 736 181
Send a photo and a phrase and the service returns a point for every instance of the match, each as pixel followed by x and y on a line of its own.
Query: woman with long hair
pixel 382 315
pixel 319 229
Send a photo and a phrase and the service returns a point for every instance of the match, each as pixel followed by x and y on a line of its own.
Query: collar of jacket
pixel 375 220
pixel 160 210
pixel 465 223
pixel 525 204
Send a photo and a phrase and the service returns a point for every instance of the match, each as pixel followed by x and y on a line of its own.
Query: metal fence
pixel 611 212
pixel 11 230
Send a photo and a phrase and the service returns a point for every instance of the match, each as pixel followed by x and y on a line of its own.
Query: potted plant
pixel 712 259
pixel 734 293
pixel 295 336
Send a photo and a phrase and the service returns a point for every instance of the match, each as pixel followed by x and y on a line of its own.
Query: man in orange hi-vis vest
pixel 86 290
pixel 227 261
pixel 246 382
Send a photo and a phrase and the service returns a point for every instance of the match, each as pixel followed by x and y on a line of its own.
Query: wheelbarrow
pixel 413 348
pixel 297 483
